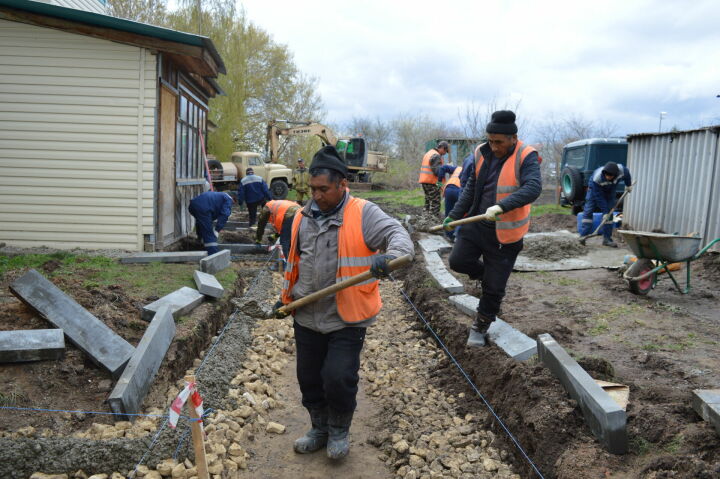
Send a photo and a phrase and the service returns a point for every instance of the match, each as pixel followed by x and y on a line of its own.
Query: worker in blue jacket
pixel 253 191
pixel 468 168
pixel 601 197
pixel 208 208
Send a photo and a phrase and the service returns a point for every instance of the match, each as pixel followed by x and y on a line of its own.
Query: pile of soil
pixel 553 222
pixel 552 248
pixel 242 237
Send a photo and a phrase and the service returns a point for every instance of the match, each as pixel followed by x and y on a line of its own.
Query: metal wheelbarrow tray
pixel 655 251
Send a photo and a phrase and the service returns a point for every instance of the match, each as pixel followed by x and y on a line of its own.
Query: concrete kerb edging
pixel 165 257
pixel 706 402
pixel 21 457
pixel 436 268
pixel 31 345
pixel 180 301
pixel 606 419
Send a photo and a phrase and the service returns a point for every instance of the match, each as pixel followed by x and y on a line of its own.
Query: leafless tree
pixel 475 116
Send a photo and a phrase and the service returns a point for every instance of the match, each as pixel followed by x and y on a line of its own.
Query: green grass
pixel 539 210
pixel 673 447
pixel 662 344
pixel 414 197
pixel 640 446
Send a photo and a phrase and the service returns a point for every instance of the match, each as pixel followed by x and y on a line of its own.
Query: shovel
pixel 311 298
pixel 463 221
pixel 606 218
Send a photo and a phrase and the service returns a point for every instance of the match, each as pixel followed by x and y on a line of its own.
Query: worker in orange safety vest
pixel 430 177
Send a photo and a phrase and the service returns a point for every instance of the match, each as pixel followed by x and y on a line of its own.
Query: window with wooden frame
pixel 192 120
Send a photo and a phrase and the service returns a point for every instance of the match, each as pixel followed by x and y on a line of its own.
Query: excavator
pixel 361 161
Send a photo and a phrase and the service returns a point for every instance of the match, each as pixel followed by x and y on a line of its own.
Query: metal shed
pixel 678 182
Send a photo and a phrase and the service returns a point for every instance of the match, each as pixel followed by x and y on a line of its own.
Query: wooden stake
pixel 198 439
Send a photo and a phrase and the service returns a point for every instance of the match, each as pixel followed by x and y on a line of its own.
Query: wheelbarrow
pixel 655 253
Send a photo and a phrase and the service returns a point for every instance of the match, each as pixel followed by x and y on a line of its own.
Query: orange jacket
pixel 356 303
pixel 454 179
pixel 278 208
pixel 514 224
pixel 426 172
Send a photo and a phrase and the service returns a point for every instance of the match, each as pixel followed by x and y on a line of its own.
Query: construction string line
pixel 472 385
pixel 197 373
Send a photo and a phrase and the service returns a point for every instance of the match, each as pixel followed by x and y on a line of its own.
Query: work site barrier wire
pixel 470 381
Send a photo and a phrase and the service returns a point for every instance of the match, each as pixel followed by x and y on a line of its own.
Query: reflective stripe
pixel 509 225
pixel 426 168
pixel 289 267
pixel 518 162
pixel 589 220
pixel 355 261
pixel 507 189
pixel 211 244
pixel 343 278
pixel 285 284
pixel 251 179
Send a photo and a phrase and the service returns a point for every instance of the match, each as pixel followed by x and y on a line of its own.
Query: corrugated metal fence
pixel 678 182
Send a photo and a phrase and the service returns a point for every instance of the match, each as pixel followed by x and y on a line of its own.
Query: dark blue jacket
pixel 217 205
pixel 601 191
pixel 446 170
pixel 479 193
pixel 468 168
pixel 252 189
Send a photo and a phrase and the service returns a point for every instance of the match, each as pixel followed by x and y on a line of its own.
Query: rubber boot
pixel 478 331
pixel 609 242
pixel 317 437
pixel 338 444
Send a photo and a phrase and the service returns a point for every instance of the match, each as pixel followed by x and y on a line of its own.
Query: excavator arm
pixel 274 132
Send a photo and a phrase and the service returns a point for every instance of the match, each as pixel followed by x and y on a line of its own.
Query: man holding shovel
pixel 335 236
pixel 600 195
pixel 505 181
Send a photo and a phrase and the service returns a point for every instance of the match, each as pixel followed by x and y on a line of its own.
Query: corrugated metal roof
pixel 115 23
pixel 682 132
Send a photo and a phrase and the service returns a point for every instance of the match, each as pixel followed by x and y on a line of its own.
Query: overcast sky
pixel 617 61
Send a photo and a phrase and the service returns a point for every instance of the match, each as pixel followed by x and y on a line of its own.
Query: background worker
pixel 429 177
pixel 253 191
pixel 333 237
pixel 601 197
pixel 207 208
pixel 450 190
pixel 506 181
pixel 280 214
pixel 300 180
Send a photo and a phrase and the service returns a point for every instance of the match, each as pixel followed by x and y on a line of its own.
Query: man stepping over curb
pixel 506 180
pixel 335 236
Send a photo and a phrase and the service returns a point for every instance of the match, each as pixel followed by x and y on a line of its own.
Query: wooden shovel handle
pixel 311 298
pixel 463 221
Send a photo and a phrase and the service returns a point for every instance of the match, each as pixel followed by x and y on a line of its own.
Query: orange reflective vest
pixel 356 303
pixel 454 179
pixel 278 208
pixel 426 172
pixel 512 225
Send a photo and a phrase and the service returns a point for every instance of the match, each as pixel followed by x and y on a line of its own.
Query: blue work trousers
pixel 586 227
pixel 327 367
pixel 204 227
pixel 451 197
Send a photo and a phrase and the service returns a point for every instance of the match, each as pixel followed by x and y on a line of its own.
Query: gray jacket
pixel 318 250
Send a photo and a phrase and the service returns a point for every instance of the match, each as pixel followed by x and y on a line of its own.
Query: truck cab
pixel 226 175
pixel 579 160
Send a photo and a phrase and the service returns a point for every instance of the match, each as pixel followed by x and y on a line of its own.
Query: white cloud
pixel 616 61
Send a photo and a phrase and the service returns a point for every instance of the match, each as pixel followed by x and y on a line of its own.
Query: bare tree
pixel 475 116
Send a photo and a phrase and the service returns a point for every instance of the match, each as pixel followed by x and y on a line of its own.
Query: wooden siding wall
pixel 77 126
pixel 95 6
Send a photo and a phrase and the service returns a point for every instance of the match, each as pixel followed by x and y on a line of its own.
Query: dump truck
pixel 361 161
pixel 226 175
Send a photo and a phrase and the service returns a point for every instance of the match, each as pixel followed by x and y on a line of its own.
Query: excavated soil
pixel 552 248
pixel 553 222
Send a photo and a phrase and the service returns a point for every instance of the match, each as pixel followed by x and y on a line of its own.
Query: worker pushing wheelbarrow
pixel 656 253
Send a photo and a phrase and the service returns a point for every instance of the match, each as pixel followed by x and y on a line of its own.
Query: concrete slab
pixel 208 285
pixel 31 345
pixel 215 262
pixel 84 330
pixel 244 248
pixel 180 302
pixel 598 256
pixel 162 257
pixel 606 419
pixel 465 303
pixel 706 402
pixel 136 379
pixel 433 243
pixel 436 268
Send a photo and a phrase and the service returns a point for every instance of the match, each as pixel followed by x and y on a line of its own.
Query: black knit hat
pixel 502 122
pixel 611 169
pixel 328 157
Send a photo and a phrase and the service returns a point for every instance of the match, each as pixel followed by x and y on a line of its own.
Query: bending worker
pixel 252 190
pixel 207 208
pixel 278 213
pixel 600 197
pixel 300 181
pixel 429 177
pixel 335 236
pixel 505 182
pixel 450 190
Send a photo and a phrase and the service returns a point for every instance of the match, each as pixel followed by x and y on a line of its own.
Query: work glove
pixel 629 188
pixel 446 222
pixel 276 310
pixel 439 184
pixel 607 218
pixel 494 211
pixel 380 268
pixel 273 237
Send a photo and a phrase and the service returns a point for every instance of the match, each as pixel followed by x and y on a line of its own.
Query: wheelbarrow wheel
pixel 642 286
